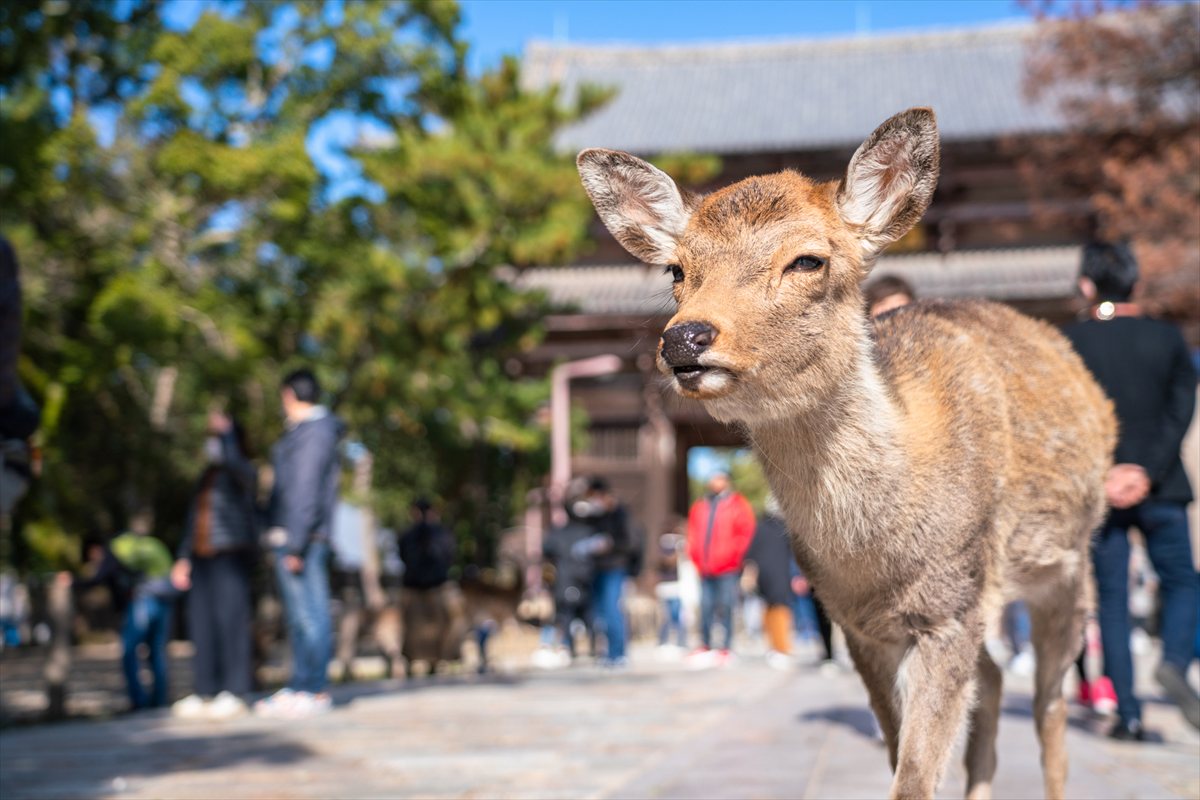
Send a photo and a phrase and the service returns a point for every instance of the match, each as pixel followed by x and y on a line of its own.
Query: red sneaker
pixel 1104 699
pixel 1085 694
pixel 700 658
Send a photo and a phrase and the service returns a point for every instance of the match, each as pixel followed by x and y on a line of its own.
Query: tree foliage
pixel 1127 79
pixel 182 248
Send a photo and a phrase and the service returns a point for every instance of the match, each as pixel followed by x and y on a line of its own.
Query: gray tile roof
pixel 1037 273
pixel 794 95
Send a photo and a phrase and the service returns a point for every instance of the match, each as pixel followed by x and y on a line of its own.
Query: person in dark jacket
pixel 566 549
pixel 215 560
pixel 1143 366
pixel 432 605
pixel 771 553
pixel 611 549
pixel 303 500
pixel 19 414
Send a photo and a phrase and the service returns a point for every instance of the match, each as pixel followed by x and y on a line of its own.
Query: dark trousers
pixel 1164 526
pixel 718 594
pixel 824 626
pixel 219 610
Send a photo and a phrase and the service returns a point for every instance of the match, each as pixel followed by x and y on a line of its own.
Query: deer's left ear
pixel 891 179
pixel 637 201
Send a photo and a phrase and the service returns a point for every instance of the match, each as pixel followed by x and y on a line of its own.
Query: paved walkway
pixel 652 731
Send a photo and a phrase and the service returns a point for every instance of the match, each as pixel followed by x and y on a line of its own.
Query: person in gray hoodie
pixel 303 499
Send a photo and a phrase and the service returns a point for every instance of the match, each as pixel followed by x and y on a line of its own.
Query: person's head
pixel 422 510
pixel 601 492
pixel 299 393
pixel 214 450
pixel 718 482
pixel 580 502
pixel 142 522
pixel 1108 272
pixel 886 293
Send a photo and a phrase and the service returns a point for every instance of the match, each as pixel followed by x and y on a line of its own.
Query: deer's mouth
pixel 699 380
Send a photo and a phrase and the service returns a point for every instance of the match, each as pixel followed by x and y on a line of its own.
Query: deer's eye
pixel 805 264
pixel 676 272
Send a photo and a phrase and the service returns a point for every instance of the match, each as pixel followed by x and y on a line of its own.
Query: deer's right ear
pixel 891 179
pixel 638 202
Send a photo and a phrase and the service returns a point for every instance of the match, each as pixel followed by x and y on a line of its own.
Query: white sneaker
pixel 780 661
pixel 1022 664
pixel 277 705
pixel 306 704
pixel 549 658
pixel 700 658
pixel 226 705
pixel 830 668
pixel 191 707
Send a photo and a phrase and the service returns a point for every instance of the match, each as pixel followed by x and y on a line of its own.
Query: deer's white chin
pixel 703 383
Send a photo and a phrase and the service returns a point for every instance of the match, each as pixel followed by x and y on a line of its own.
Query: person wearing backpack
pixel 136 567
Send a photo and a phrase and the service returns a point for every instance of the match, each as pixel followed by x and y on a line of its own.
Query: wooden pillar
pixel 656 452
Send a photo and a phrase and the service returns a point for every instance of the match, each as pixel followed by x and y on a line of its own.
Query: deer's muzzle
pixel 683 344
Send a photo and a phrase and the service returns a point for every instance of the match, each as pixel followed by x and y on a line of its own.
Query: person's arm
pixel 10 324
pixel 302 514
pixel 447 547
pixel 104 571
pixel 695 537
pixel 1177 413
pixel 743 525
pixel 620 532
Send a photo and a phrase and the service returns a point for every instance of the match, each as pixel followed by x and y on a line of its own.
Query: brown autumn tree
pixel 1126 79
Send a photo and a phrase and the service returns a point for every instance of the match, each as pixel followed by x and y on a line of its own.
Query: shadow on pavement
pixel 857 718
pixel 345 693
pixel 93 760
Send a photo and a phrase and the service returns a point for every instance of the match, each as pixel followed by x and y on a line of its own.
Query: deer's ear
pixel 891 179
pixel 638 202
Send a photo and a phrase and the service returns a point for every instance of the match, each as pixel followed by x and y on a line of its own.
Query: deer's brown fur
pixel 930 467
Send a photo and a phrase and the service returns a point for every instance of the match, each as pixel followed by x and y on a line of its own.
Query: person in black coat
pixel 431 603
pixel 1144 367
pixel 771 553
pixel 216 560
pixel 566 548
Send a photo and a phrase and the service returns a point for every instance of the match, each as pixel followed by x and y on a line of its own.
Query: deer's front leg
pixel 934 683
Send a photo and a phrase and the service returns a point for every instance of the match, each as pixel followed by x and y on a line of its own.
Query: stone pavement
pixel 654 731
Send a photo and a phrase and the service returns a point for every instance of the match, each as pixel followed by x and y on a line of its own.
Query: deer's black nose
pixel 682 344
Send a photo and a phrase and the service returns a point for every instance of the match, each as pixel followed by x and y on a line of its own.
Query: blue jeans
pixel 806 617
pixel 609 616
pixel 673 622
pixel 305 598
pixel 1017 625
pixel 147 621
pixel 1165 528
pixel 717 597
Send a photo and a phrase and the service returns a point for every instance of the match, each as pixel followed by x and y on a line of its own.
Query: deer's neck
pixel 837 468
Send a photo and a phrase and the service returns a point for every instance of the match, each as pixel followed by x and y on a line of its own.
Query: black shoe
pixel 1128 731
pixel 1180 691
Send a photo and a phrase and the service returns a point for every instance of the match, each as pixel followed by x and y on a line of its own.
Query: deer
pixel 931 466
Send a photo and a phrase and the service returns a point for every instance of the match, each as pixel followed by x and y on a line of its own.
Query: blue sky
pixel 498 27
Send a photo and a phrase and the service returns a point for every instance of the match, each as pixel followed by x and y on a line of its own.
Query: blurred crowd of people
pixel 723 570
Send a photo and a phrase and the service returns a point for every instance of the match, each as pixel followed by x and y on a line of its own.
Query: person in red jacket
pixel 720 529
